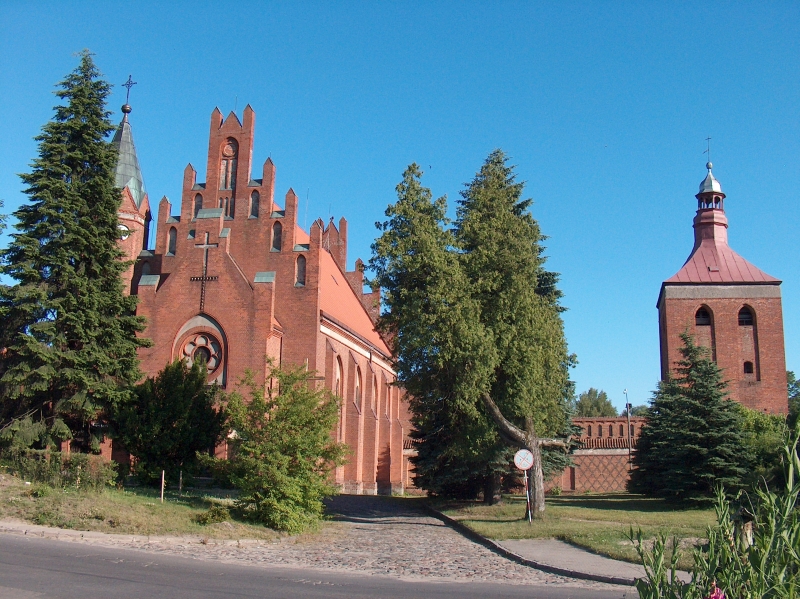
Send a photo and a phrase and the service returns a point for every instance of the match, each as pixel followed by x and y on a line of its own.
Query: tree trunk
pixel 491 489
pixel 526 439
pixel 536 479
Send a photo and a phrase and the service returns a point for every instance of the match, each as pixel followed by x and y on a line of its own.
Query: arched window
pixel 745 317
pixel 633 429
pixel 231 208
pixel 357 394
pixel 227 164
pixel 255 200
pixel 277 234
pixel 610 430
pixel 748 368
pixel 300 272
pixel 599 430
pixel 198 204
pixel 172 241
pixel 621 430
pixel 589 431
pixel 702 318
pixel 375 394
pixel 337 382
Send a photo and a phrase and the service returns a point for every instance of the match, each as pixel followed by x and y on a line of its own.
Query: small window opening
pixel 599 430
pixel 748 368
pixel 277 234
pixel 254 202
pixel 633 428
pixel 172 240
pixel 198 204
pixel 745 317
pixel 300 273
pixel 702 318
pixel 621 430
pixel 589 431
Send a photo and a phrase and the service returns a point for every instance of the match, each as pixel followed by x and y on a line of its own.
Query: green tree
pixel 764 436
pixel 793 389
pixel 70 333
pixel 169 419
pixel 282 453
pixel 642 410
pixel 476 325
pixel 594 403
pixel 693 441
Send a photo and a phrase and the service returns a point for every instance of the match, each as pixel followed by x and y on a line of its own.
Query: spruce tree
pixel 693 439
pixel 70 335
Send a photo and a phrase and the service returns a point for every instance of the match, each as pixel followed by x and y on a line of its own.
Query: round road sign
pixel 523 459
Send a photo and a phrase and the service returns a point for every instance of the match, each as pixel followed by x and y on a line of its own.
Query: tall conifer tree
pixel 476 327
pixel 693 440
pixel 71 342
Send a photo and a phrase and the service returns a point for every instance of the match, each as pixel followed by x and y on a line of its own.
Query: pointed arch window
pixel 198 204
pixel 375 394
pixel 227 164
pixel 702 318
pixel 277 235
pixel 745 317
pixel 589 431
pixel 357 393
pixel 255 200
pixel 621 430
pixel 610 430
pixel 337 381
pixel 300 272
pixel 172 241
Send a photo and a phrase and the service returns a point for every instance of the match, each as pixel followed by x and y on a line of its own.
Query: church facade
pixel 730 306
pixel 233 280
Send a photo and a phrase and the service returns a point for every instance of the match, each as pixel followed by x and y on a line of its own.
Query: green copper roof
pixel 127 172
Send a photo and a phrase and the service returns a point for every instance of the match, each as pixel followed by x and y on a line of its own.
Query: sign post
pixel 523 460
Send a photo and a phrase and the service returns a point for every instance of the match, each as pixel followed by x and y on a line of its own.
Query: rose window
pixel 205 348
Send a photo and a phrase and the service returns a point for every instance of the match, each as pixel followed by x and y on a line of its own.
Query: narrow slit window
pixel 255 200
pixel 198 204
pixel 300 272
pixel 277 234
pixel 172 240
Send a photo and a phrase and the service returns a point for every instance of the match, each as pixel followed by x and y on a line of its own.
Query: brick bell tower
pixel 730 306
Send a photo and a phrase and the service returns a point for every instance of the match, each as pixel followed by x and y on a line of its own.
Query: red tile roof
pixel 712 260
pixel 338 300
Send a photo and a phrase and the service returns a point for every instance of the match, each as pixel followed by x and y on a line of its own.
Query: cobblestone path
pixel 370 535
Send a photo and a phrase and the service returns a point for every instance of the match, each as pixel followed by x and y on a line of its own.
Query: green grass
pixel 599 523
pixel 131 511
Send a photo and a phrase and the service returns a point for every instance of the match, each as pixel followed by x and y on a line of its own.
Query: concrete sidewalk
pixel 558 557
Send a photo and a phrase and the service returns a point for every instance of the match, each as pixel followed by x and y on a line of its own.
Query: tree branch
pixel 562 443
pixel 513 433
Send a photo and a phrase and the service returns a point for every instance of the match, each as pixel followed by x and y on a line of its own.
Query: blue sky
pixel 604 108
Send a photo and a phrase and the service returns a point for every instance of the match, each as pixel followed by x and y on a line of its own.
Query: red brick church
pixel 235 281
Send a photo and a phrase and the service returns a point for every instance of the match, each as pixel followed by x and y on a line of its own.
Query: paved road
pixel 375 547
pixel 34 568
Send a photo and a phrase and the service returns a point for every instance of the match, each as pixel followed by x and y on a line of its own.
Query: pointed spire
pixel 127 172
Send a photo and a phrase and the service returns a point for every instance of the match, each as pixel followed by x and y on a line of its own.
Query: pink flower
pixel 716 593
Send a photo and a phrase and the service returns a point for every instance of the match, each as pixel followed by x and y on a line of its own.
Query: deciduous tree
pixel 594 403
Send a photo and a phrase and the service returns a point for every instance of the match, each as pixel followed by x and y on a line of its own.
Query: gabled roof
pixel 127 172
pixel 339 301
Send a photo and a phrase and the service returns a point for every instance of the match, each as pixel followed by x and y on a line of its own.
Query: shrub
pixel 59 470
pixel 282 449
pixel 216 513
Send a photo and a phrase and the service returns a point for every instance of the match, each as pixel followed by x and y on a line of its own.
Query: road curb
pixel 500 550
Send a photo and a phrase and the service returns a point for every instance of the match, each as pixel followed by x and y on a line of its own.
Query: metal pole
pixel 628 411
pixel 162 486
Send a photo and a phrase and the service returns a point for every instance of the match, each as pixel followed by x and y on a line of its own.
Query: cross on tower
pixel 129 84
pixel 708 148
pixel 203 279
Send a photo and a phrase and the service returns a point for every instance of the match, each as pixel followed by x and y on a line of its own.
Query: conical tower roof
pixel 127 172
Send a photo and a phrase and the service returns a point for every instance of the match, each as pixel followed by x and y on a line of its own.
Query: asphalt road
pixel 32 568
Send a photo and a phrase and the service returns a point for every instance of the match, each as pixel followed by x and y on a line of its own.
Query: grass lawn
pixel 599 523
pixel 130 511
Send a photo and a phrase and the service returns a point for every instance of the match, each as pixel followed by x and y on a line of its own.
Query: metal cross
pixel 203 279
pixel 129 84
pixel 708 150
